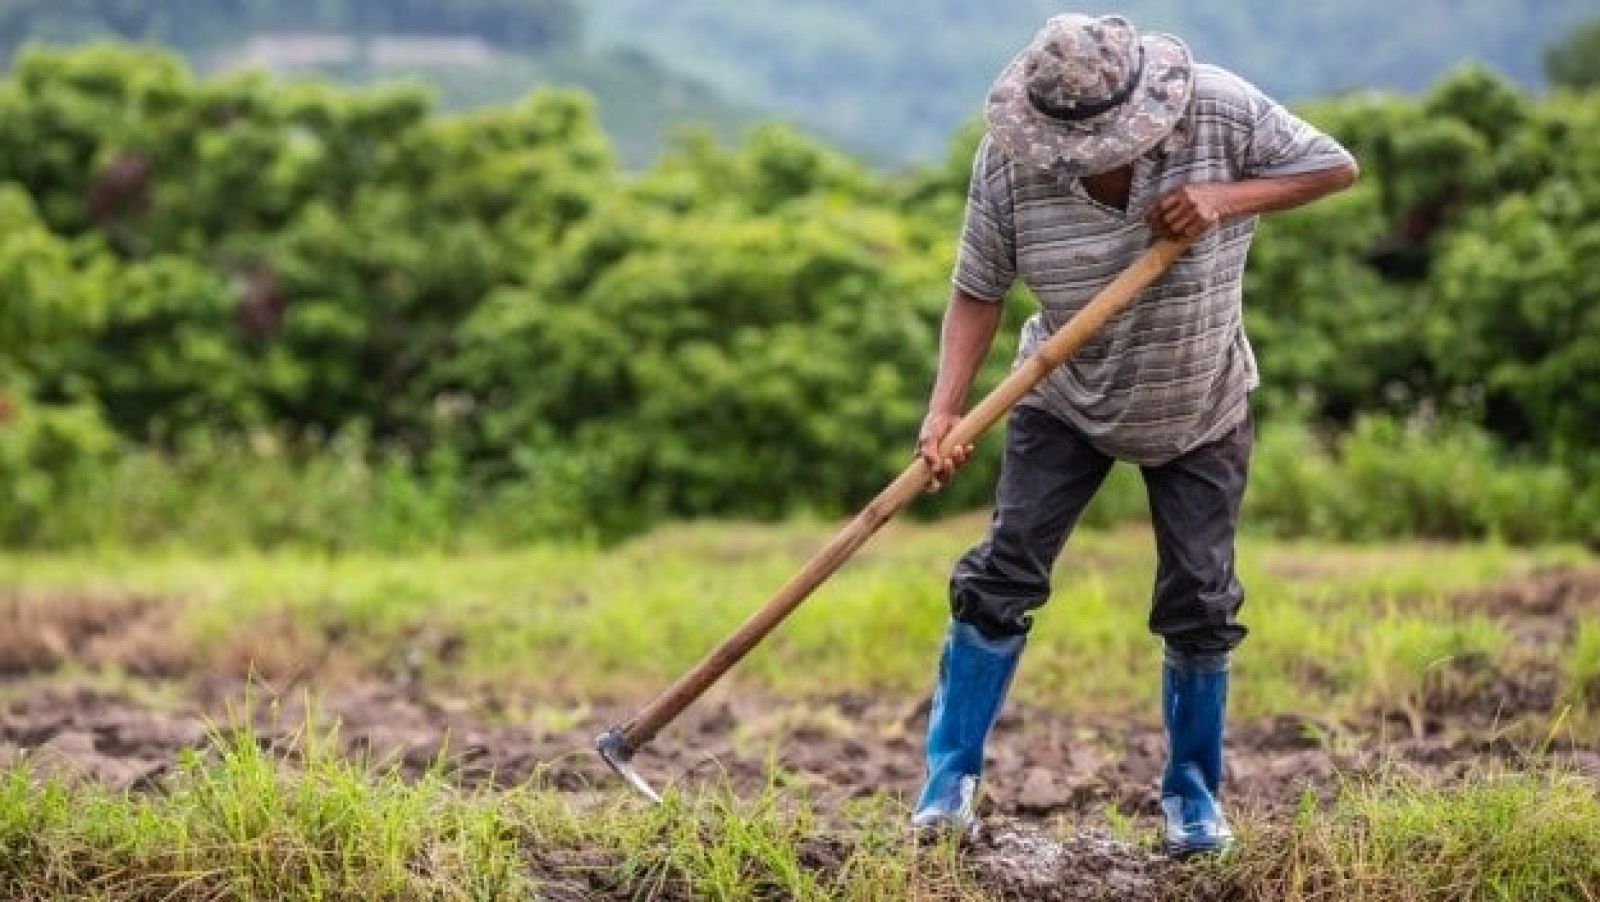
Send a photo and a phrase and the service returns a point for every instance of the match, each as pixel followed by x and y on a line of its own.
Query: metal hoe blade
pixel 614 748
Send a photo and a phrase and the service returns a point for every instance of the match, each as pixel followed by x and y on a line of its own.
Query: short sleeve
pixel 1280 143
pixel 986 262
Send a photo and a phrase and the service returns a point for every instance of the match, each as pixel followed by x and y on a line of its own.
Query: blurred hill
pixel 475 52
pixel 895 77
pixel 888 78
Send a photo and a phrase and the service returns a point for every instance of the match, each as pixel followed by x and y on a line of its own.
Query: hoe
pixel 619 744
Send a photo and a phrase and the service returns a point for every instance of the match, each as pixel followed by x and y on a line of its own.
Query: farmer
pixel 1099 139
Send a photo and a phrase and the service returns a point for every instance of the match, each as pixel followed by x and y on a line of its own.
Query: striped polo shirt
pixel 1174 370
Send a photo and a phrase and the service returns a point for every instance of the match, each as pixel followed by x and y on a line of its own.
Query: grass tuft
pixel 1524 836
pixel 1583 668
pixel 238 821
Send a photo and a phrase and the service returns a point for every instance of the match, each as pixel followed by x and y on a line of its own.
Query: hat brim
pixel 1105 142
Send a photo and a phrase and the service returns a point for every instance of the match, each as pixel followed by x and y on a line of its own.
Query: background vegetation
pixel 391 326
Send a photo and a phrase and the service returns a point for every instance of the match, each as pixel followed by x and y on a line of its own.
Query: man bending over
pixel 1098 140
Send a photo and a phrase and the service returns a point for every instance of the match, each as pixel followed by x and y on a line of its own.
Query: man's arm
pixel 1190 211
pixel 969 327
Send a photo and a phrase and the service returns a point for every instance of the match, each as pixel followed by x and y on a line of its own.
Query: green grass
pixel 1497 836
pixel 238 826
pixel 1583 666
pixel 235 823
pixel 1337 629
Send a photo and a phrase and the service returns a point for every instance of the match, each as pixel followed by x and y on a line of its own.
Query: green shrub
pixel 69 488
pixel 504 329
pixel 50 456
pixel 1390 478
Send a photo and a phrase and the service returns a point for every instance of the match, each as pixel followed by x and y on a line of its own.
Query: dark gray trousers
pixel 1048 476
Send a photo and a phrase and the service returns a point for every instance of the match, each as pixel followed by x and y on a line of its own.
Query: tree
pixel 1574 62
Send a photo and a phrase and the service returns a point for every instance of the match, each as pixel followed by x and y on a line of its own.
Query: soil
pixel 1046 769
pixel 836 749
pixel 1544 607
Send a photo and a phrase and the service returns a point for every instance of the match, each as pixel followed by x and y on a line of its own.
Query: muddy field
pixel 1047 769
pixel 1048 772
pixel 1041 765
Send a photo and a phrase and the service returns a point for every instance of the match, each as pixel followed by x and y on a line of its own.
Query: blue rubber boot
pixel 974 674
pixel 1194 698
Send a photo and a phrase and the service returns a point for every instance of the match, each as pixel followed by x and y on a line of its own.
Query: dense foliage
pixel 223 287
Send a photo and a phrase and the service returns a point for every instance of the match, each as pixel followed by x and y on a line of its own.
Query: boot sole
pixel 1185 850
pixel 936 832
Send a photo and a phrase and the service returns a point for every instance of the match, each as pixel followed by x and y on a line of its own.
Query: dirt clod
pixel 1019 861
pixel 38 634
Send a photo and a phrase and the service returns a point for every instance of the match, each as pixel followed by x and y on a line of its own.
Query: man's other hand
pixel 1188 212
pixel 935 427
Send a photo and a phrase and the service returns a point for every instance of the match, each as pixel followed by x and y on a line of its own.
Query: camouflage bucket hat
pixel 1089 94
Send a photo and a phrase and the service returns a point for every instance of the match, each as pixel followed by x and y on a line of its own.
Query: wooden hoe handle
pixel 1063 344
